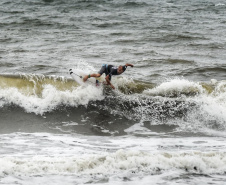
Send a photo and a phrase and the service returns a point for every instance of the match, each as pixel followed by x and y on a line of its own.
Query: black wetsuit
pixel 109 70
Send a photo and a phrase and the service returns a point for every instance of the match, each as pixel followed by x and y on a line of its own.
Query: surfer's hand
pixel 131 65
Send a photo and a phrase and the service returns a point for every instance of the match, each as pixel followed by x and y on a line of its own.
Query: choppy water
pixel 164 124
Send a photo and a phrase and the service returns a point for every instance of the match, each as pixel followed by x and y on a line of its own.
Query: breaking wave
pixel 133 163
pixel 189 105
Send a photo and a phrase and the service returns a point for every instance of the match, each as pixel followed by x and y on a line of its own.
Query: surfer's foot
pixel 85 78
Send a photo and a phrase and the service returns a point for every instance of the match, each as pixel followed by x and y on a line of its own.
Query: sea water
pixel 164 124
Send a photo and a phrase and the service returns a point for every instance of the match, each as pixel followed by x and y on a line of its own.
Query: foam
pixel 139 129
pixel 42 156
pixel 220 4
pixel 207 110
pixel 121 161
pixel 50 98
pixel 48 154
pixel 175 87
pixel 213 106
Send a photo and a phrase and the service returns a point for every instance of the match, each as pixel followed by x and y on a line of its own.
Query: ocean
pixel 165 123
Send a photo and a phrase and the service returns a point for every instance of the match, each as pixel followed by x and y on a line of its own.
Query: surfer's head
pixel 121 69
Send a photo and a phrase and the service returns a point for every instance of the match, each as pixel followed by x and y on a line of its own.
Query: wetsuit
pixel 110 70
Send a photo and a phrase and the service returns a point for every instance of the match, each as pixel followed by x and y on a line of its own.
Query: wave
pixel 178 37
pixel 6 64
pixel 40 94
pixel 180 61
pixel 135 4
pixel 209 69
pixel 191 106
pixel 133 163
pixel 176 88
pixel 220 4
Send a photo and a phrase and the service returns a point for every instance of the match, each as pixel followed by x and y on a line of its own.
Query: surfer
pixel 109 70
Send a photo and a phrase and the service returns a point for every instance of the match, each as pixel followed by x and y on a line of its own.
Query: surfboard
pixel 78 76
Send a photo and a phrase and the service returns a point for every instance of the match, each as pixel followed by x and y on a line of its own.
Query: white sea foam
pixel 220 4
pixel 121 161
pixel 83 159
pixel 50 98
pixel 213 107
pixel 47 154
pixel 175 87
pixel 210 107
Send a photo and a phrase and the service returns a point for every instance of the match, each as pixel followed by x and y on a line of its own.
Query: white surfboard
pixel 78 76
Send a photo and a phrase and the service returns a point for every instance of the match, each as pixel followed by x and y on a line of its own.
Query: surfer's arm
pixel 127 64
pixel 109 82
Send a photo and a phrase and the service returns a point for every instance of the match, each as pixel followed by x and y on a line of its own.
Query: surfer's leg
pixel 102 70
pixel 91 75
